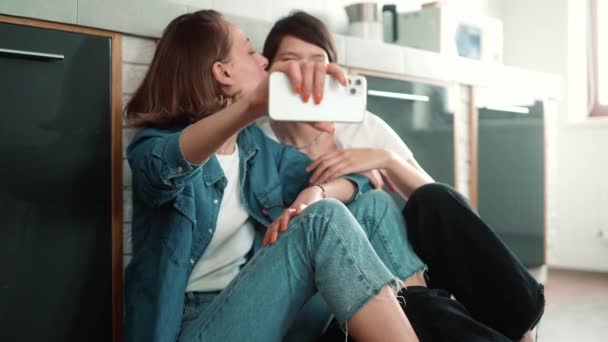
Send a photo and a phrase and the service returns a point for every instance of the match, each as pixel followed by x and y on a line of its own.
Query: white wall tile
pixel 127 137
pixel 127 208
pixel 132 76
pixel 127 244
pixel 137 50
pixel 125 261
pixel 366 54
pixel 259 9
pixel 141 17
pixel 283 8
pixel 581 200
pixel 125 100
pixel 195 4
pixel 64 11
pixel 254 29
pixel 335 17
pixel 126 174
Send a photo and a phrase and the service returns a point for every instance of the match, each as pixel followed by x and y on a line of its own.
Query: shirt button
pixel 209 230
pixel 180 169
pixel 191 261
pixel 215 201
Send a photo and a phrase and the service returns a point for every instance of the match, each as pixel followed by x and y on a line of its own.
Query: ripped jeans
pixel 347 255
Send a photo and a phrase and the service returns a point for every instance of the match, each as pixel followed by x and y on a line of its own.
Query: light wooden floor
pixel 577 307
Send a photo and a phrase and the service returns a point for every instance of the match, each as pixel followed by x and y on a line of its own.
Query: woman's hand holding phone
pixel 306 78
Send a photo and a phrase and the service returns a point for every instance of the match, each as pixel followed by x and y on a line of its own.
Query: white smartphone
pixel 339 104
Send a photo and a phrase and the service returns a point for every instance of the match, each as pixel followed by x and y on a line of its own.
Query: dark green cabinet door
pixel 55 214
pixel 511 178
pixel 419 114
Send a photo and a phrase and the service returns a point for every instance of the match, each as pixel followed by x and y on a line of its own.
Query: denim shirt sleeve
pixel 159 168
pixel 294 177
pixel 292 166
pixel 361 182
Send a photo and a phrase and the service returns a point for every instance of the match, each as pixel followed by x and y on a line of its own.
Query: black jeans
pixel 468 260
pixel 496 297
pixel 436 317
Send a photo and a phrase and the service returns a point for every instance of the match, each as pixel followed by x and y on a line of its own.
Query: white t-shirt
pixel 233 237
pixel 372 132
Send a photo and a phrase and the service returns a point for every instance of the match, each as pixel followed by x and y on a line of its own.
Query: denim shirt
pixel 175 209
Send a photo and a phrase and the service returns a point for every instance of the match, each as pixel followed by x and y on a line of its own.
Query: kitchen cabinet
pixel 511 170
pixel 504 154
pixel 421 115
pixel 58 206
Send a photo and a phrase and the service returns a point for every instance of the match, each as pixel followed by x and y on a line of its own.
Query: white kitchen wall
pixel 548 35
pixel 582 238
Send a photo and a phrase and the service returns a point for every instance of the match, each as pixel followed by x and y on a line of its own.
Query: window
pixel 598 57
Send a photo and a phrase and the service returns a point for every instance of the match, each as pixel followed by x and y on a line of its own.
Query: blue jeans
pixel 346 257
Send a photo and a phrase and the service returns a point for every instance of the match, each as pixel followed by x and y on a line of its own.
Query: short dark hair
pixel 303 26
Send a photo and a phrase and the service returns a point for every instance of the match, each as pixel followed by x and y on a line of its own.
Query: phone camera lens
pixel 353 91
pixel 358 82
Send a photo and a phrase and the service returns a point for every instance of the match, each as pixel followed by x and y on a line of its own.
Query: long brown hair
pixel 179 87
pixel 303 26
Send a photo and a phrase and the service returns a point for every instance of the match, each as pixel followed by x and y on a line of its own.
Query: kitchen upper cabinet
pixel 56 198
